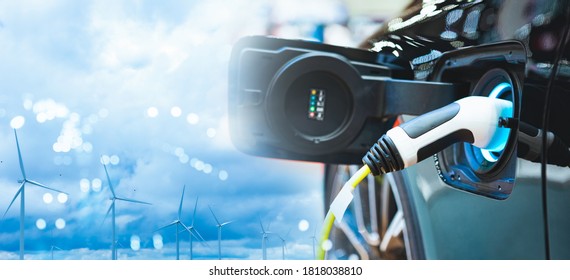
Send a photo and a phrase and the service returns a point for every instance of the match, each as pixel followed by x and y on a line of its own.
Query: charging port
pixel 495 84
pixel 495 71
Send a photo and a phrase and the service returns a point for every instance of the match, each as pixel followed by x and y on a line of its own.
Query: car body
pixel 442 222
pixel 462 203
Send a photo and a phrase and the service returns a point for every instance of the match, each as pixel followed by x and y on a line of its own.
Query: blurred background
pixel 142 87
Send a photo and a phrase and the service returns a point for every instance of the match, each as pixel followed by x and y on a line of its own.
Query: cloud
pixel 83 75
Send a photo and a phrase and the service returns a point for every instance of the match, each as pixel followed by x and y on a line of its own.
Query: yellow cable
pixel 352 183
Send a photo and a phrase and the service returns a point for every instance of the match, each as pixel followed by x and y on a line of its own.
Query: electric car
pixel 462 202
pixel 413 214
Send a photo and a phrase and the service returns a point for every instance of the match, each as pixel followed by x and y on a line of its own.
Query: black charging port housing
pixel 303 100
pixel 496 71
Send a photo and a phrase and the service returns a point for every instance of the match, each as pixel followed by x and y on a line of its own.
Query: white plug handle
pixel 473 119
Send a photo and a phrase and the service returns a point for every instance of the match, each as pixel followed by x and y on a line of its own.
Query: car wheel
pixel 380 222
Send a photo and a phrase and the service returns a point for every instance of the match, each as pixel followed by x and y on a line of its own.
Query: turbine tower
pixel 264 236
pixel 53 247
pixel 192 230
pixel 219 232
pixel 314 239
pixel 283 243
pixel 177 223
pixel 21 192
pixel 113 199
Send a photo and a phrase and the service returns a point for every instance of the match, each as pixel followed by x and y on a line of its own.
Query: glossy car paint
pixel 452 224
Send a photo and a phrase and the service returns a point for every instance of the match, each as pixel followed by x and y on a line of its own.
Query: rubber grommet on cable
pixel 383 157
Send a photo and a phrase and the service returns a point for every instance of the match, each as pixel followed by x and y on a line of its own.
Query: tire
pixel 379 223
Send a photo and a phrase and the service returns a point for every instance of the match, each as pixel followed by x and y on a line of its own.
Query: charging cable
pixel 339 206
pixel 473 119
pixel 530 145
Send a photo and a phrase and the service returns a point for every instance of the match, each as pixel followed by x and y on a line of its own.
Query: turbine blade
pixel 194 215
pixel 132 200
pixel 194 232
pixel 201 239
pixel 163 227
pixel 288 232
pixel 184 226
pixel 261 224
pixel 108 211
pixel 181 201
pixel 215 218
pixel 44 186
pixel 20 156
pixel 188 230
pixel 226 223
pixel 109 180
pixel 14 199
pixel 199 235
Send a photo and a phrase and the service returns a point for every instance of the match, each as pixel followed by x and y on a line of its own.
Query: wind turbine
pixel 114 198
pixel 21 192
pixel 192 230
pixel 219 232
pixel 178 223
pixel 119 246
pixel 264 236
pixel 314 238
pixel 53 246
pixel 283 243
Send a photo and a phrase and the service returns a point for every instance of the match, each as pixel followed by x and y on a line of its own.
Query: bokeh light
pixel 105 159
pixel 353 257
pixel 60 223
pixel 135 242
pixel 48 198
pixel 303 225
pixel 84 185
pixel 327 245
pixel 157 241
pixel 211 132
pixel 96 185
pixel 208 168
pixel 192 118
pixel 175 111
pixel 114 159
pixel 223 175
pixel 41 224
pixel 152 112
pixel 62 198
pixel 17 122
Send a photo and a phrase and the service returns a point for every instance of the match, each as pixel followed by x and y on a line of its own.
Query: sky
pixel 140 86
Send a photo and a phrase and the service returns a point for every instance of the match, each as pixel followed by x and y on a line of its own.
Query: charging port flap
pixel 496 71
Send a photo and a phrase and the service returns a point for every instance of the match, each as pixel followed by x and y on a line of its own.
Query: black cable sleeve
pixel 530 142
pixel 545 119
pixel 383 157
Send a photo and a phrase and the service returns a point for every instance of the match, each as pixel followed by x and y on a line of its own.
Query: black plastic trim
pixel 431 120
pixel 462 135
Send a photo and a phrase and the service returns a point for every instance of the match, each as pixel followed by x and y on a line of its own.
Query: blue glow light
pixel 501 137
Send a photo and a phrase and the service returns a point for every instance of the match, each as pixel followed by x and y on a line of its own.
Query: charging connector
pixel 473 119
